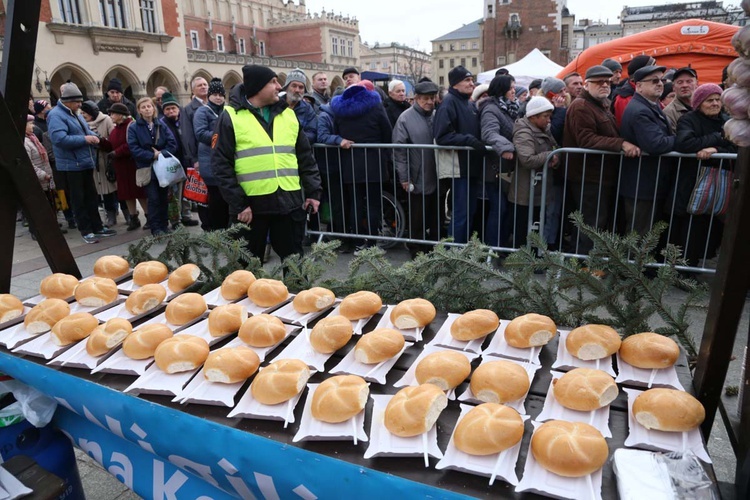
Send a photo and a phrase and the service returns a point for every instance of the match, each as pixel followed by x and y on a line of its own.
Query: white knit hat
pixel 538 104
pixel 478 91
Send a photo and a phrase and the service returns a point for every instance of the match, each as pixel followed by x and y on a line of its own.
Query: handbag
pixel 143 176
pixel 711 192
pixel 109 169
pixel 195 189
pixel 168 169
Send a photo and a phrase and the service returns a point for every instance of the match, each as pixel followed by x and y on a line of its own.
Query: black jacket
pixel 175 129
pixel 456 123
pixel 222 161
pixel 104 104
pixel 394 109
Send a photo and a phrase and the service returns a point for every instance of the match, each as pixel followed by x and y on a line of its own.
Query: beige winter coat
pixel 102 125
pixel 532 147
pixel 41 165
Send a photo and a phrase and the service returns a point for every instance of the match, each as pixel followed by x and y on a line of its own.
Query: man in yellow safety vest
pixel 264 164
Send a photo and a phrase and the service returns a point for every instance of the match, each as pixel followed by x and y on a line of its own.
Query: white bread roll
pixel 10 307
pixel 649 351
pixel 45 314
pixel 107 336
pixel 378 345
pixel 181 353
pixel 569 449
pixel 530 330
pixel 474 325
pixel 151 271
pixel 111 266
pixel 590 342
pixel 96 292
pixel 360 305
pixel 331 334
pixel 226 319
pixel 488 429
pixel 280 381
pixel 58 286
pixel 142 343
pixel 339 398
pixel 145 298
pixel 499 381
pixel 668 410
pixel 185 308
pixel 231 365
pixel 313 300
pixel 236 284
pixel 267 293
pixel 445 369
pixel 73 328
pixel 414 410
pixel 584 389
pixel 183 277
pixel 413 313
pixel 262 330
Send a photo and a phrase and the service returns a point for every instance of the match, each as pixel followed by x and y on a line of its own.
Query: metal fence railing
pixel 413 194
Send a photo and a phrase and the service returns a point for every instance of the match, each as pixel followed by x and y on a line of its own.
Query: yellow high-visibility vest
pixel 262 164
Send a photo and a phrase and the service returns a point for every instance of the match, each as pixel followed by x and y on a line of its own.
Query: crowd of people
pixel 253 151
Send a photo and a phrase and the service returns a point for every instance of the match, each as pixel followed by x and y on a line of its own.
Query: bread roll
pixel 45 314
pixel 649 351
pixel 488 429
pixel 339 398
pixel 378 345
pixel 569 449
pixel 96 292
pixel 226 319
pixel 236 284
pixel 107 336
pixel 142 343
pixel 590 342
pixel 58 286
pixel 111 266
pixel 530 330
pixel 185 308
pixel 181 353
pixel 313 300
pixel 151 271
pixel 499 381
pixel 183 277
pixel 267 293
pixel 145 298
pixel 584 389
pixel 413 313
pixel 668 410
pixel 331 334
pixel 474 325
pixel 231 365
pixel 280 381
pixel 73 328
pixel 360 305
pixel 10 307
pixel 414 410
pixel 262 330
pixel 445 369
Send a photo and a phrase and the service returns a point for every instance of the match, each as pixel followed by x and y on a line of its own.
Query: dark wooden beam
pixel 742 476
pixel 728 294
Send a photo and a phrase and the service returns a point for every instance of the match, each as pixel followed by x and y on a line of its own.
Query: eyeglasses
pixel 655 81
pixel 602 83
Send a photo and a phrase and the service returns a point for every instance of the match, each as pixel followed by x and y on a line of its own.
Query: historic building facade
pixel 461 46
pixel 396 59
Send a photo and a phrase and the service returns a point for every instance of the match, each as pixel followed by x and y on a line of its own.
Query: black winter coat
pixel 394 109
pixel 456 123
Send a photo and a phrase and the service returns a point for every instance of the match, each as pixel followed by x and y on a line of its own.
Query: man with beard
pixel 684 83
pixel 295 88
pixel 590 124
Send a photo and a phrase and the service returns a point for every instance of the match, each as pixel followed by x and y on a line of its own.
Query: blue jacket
pixel 68 135
pixel 645 125
pixel 456 123
pixel 204 122
pixel 308 120
pixel 141 142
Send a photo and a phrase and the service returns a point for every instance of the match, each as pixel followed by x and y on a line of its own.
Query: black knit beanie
pixel 216 87
pixel 90 108
pixel 256 77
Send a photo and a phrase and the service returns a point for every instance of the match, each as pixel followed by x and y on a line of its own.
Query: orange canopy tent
pixel 703 45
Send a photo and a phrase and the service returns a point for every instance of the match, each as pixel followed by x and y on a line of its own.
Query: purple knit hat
pixel 702 92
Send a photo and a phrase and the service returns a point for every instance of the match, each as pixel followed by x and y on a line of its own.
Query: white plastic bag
pixel 36 407
pixel 168 169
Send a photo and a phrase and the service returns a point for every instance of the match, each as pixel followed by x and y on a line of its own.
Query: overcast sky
pixel 416 22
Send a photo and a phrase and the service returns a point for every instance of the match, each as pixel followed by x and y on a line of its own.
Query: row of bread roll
pixel 444 369
pixel 267 292
pixel 236 285
pixel 583 389
pixel 649 351
pixel 499 382
pixel 569 449
pixel 231 365
pixel 96 292
pixel 142 343
pixel 106 337
pixel 339 398
pixel 262 330
pixel 58 286
pixel 149 272
pixel 145 298
pixel 73 328
pixel 43 316
pixel 413 313
pixel 313 300
pixel 668 410
pixel 331 334
pixel 183 277
pixel 590 342
pixel 181 353
pixel 474 325
pixel 226 319
pixel 280 381
pixel 488 429
pixel 379 345
pixel 360 305
pixel 414 410
pixel 530 330
pixel 10 307
pixel 185 308
pixel 111 266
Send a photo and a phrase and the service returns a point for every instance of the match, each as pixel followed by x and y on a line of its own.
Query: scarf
pixel 509 107
pixel 38 146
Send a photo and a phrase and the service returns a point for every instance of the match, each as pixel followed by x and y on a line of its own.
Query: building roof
pixel 673 11
pixel 470 30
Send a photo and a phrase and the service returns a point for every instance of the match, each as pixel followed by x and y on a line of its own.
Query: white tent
pixel 534 65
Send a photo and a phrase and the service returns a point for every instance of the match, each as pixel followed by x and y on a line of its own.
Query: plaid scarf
pixel 510 107
pixel 38 145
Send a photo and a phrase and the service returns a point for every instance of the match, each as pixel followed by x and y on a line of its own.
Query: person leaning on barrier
pixel 645 180
pixel 699 131
pixel 416 168
pixel 684 83
pixel 592 179
pixel 264 165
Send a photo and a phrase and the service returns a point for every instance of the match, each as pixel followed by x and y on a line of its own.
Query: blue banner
pixel 124 433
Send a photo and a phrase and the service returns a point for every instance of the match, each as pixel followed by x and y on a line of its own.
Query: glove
pixel 479 146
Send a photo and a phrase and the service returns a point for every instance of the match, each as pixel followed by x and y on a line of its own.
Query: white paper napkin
pixel 201 391
pixel 155 381
pixel 413 335
pixel 119 311
pixel 76 307
pixel 300 348
pixel 14 321
pixel 499 347
pixel 254 310
pixel 288 314
pixel 357 325
pixel 16 335
pixel 410 378
pixel 214 298
pixel 78 357
pixel 311 429
pixel 249 407
pixel 640 377
pixel 121 364
pixel 566 361
pixel 518 404
pixel 42 347
pixel 443 338
pixel 372 373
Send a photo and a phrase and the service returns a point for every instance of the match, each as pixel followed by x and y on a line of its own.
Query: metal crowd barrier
pixel 368 205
